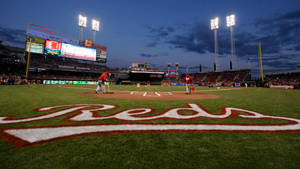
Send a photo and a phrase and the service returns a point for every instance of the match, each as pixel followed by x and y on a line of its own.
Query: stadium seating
pixel 227 78
pixel 59 68
pixel 291 78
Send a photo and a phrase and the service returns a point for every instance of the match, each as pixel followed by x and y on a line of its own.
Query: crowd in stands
pixel 67 64
pixel 17 79
pixel 281 79
pixel 63 77
pixel 225 78
pixel 12 79
pixel 44 67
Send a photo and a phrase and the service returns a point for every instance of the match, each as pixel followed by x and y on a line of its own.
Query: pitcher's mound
pixel 152 95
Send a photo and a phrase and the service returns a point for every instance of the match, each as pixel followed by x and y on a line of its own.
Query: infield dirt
pixel 151 95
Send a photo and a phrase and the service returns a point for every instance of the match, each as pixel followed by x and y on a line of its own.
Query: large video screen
pixel 78 52
pixel 37 45
pixel 53 48
pixel 101 53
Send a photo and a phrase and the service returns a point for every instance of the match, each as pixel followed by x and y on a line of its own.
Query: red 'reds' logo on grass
pixel 132 121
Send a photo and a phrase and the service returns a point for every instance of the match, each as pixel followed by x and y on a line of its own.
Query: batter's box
pixel 150 93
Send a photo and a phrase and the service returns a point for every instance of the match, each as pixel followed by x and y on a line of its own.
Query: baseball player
pixel 188 82
pixel 101 79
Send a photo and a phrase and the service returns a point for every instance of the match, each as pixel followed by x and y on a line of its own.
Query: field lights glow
pixel 82 20
pixel 214 23
pixel 230 20
pixel 95 25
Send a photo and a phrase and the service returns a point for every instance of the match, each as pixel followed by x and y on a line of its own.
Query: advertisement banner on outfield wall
pixel 77 52
pixel 65 82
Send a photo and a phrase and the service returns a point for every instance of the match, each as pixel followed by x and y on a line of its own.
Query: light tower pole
pixel 82 20
pixel 177 67
pixel 230 22
pixel 169 66
pixel 95 28
pixel 214 24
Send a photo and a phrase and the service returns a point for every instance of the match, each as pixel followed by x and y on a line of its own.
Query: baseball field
pixel 56 126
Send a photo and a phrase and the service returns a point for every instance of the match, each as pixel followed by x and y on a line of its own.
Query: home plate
pixel 153 95
pixel 108 93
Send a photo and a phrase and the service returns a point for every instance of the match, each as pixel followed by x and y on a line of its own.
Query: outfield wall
pixel 74 82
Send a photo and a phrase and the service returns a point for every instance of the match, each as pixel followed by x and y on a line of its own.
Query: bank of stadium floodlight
pixel 95 25
pixel 214 25
pixel 230 22
pixel 95 28
pixel 82 22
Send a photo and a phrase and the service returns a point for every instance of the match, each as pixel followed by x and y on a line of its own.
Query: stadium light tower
pixel 214 25
pixel 230 22
pixel 95 28
pixel 177 67
pixel 82 20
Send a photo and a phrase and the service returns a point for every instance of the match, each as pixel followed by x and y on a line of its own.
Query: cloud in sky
pixel 159 34
pixel 12 37
pixel 285 29
pixel 147 55
pixel 290 15
pixel 279 36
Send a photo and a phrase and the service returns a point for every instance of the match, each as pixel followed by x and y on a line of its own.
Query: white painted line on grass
pixel 213 90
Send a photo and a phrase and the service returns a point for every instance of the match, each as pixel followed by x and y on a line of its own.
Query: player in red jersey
pixel 188 83
pixel 101 79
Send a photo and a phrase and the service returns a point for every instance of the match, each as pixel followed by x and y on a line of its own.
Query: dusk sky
pixel 169 31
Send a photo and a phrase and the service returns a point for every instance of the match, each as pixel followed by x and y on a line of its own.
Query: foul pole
pixel 260 61
pixel 28 59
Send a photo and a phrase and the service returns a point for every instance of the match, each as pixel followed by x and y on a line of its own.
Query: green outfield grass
pixel 154 150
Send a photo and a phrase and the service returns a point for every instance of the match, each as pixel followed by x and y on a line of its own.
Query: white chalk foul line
pixel 157 94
